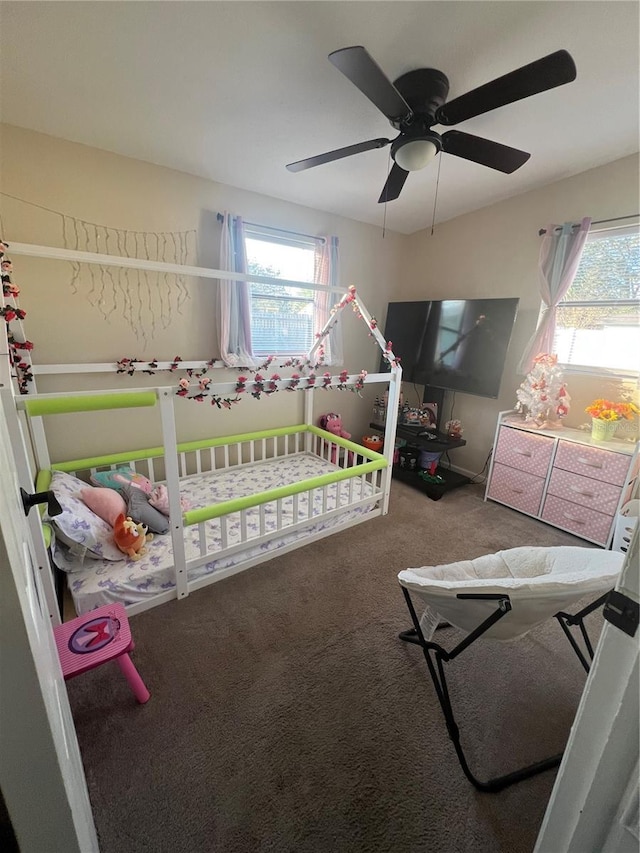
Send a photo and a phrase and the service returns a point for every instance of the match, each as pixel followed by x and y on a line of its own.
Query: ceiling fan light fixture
pixel 416 154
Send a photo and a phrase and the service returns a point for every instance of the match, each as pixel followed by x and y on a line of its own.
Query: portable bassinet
pixel 503 596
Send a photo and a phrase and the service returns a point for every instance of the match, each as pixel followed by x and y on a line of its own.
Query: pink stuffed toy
pixel 159 499
pixel 333 423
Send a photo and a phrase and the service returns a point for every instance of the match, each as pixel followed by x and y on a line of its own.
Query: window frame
pixel 276 236
pixel 587 370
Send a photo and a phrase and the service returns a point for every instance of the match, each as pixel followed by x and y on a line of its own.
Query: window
pixel 598 322
pixel 282 317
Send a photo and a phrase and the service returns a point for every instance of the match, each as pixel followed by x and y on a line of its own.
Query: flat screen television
pixel 455 344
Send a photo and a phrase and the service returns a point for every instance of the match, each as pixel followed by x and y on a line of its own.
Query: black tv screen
pixel 405 326
pixel 455 344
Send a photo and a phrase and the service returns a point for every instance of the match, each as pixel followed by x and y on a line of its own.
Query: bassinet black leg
pixel 566 619
pixel 435 657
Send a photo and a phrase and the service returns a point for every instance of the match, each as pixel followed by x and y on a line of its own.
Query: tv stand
pixel 440 444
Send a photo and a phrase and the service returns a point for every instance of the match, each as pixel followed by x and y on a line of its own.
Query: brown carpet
pixel 287 716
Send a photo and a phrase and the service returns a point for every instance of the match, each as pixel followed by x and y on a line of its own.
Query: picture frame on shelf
pixel 433 400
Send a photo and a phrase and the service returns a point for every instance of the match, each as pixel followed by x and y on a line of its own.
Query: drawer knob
pixel 573 518
pixel 517 491
pixel 589 462
pixel 522 452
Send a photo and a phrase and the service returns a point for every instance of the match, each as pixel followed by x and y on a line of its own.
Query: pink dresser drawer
pixel 592 462
pixel 517 489
pixel 524 450
pixel 584 522
pixel 603 497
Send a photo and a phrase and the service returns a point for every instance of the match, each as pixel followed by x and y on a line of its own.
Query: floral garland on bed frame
pixel 20 359
pixel 260 385
pixel 11 312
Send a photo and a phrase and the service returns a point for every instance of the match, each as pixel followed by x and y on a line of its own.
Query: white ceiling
pixel 232 91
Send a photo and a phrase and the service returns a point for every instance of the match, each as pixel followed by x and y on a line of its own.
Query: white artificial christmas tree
pixel 543 397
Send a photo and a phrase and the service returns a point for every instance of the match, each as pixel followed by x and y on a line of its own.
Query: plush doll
pixel 130 537
pixel 333 423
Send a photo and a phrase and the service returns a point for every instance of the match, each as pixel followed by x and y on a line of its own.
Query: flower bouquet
pixel 605 415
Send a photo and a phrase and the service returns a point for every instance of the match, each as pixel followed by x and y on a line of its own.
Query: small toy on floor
pixel 131 537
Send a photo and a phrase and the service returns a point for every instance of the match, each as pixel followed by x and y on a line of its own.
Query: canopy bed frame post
pixel 34 425
pixel 394 384
pixel 391 423
pixel 39 442
pixel 308 419
pixel 26 477
pixel 5 363
pixel 436 656
pixel 170 441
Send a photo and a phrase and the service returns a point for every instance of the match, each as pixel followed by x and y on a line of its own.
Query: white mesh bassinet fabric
pixel 539 582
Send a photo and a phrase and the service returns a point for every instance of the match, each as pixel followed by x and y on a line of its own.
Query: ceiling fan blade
pixel 394 184
pixel 483 151
pixel 553 70
pixel 365 73
pixel 338 154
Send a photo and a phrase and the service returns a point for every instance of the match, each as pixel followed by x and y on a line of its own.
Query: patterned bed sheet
pixel 98 582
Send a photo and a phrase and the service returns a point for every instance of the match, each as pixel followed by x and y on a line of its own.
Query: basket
pixel 372 442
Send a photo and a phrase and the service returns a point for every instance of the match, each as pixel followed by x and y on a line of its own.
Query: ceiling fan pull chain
pixel 384 216
pixel 435 200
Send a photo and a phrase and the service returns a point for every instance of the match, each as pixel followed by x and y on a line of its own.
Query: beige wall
pixel 494 252
pixel 491 252
pixel 104 188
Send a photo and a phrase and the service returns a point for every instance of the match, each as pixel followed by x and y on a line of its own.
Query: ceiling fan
pixel 418 100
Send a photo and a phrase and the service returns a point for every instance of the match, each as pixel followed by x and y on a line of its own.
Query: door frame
pixel 41 772
pixel 602 752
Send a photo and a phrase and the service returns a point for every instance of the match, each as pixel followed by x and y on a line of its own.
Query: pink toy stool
pixel 95 638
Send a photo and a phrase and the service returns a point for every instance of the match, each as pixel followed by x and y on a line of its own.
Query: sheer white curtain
pixel 233 300
pixel 326 272
pixel 560 255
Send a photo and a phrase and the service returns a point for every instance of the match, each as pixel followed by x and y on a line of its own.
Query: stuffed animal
pixel 333 423
pixel 131 537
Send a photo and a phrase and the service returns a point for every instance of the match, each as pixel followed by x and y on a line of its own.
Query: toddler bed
pixel 248 496
pixel 232 523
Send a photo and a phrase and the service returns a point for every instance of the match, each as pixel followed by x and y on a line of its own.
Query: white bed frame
pixel 32 455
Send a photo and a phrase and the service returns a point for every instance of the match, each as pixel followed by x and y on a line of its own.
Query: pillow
pixel 106 503
pixel 119 478
pixel 141 511
pixel 87 534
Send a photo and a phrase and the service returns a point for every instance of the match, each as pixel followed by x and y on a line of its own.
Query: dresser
pixel 562 477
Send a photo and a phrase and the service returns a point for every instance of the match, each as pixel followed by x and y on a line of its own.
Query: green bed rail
pixel 196 516
pixel 185 447
pixel 89 403
pixel 203 444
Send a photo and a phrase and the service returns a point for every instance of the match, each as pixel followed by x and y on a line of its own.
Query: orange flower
pixel 607 410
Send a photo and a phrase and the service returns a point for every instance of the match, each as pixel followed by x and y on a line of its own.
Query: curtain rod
pixel 597 222
pixel 220 218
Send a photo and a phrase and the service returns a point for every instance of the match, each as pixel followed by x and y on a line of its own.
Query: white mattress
pixel 99 582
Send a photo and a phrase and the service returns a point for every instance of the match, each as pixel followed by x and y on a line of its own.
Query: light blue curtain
pixel 326 272
pixel 560 255
pixel 233 300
